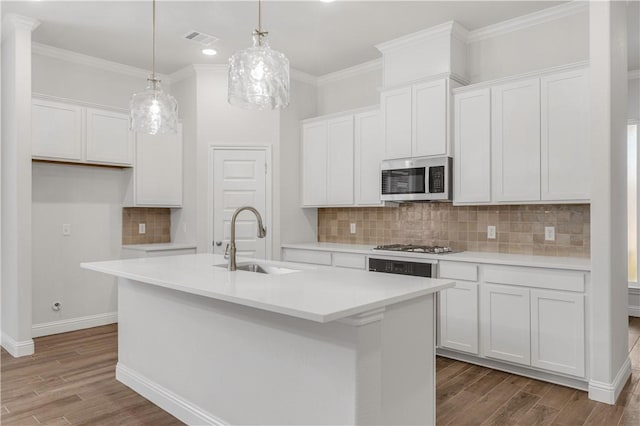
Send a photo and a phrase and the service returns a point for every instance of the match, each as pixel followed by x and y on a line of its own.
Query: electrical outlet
pixel 491 232
pixel 549 233
pixel 66 229
pixel 352 228
pixel 142 228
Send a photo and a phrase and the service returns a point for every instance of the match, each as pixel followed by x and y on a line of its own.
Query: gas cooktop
pixel 415 248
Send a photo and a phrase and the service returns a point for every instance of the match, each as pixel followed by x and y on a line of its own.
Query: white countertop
pixel 159 247
pixel 553 262
pixel 316 293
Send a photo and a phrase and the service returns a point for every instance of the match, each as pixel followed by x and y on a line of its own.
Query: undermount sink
pixel 261 268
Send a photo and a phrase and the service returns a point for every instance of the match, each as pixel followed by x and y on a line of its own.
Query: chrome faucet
pixel 262 232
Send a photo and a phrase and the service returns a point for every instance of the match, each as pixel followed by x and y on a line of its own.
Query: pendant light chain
pixel 259 31
pixel 153 26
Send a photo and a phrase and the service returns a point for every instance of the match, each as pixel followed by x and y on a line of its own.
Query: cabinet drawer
pixel 535 277
pixel 458 271
pixel 307 256
pixel 349 260
pixel 175 252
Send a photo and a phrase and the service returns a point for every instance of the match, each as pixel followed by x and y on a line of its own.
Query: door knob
pixel 218 243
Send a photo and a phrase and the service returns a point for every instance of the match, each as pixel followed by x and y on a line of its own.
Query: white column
pixel 16 184
pixel 610 365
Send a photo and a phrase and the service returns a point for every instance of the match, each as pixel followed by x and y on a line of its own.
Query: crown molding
pixel 449 27
pixel 633 75
pixel 12 22
pixel 529 20
pixel 182 74
pixel 303 77
pixel 92 61
pixel 356 70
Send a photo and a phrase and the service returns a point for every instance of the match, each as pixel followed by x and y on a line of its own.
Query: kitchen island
pixel 298 345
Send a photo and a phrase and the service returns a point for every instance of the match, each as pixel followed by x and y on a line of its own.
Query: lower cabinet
pixel 505 323
pixel 323 257
pixel 459 317
pixel 557 331
pixel 523 320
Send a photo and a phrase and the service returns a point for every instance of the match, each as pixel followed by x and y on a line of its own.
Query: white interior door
pixel 240 179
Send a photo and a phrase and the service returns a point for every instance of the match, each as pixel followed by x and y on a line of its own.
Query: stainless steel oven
pixel 417 179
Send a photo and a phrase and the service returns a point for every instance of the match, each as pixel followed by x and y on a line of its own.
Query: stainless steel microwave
pixel 417 179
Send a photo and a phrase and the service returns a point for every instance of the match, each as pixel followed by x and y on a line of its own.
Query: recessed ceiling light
pixel 327 1
pixel 209 51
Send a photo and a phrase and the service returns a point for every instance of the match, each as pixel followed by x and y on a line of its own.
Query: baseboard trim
pixel 609 392
pixel 513 369
pixel 17 348
pixel 73 324
pixel 165 399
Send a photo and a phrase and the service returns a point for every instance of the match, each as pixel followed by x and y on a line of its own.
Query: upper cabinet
pixel 57 130
pixel 516 141
pixel 415 120
pixel 565 136
pixel 341 158
pixel 71 133
pixel 472 138
pixel 158 175
pixel 535 131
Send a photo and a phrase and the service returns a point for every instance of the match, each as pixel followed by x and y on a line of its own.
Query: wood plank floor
pixel 70 380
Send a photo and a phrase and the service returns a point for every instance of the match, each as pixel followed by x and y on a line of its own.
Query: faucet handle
pixel 226 252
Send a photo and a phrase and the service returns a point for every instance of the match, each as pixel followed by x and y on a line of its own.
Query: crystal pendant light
pixel 153 111
pixel 258 75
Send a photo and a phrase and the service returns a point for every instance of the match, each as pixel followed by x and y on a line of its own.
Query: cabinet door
pixel 158 169
pixel 56 130
pixel 429 136
pixel 516 141
pixel 557 332
pixel 340 161
pixel 506 330
pixel 566 153
pixel 369 151
pixel 472 155
pixel 396 123
pixel 314 164
pixel 109 139
pixel 459 317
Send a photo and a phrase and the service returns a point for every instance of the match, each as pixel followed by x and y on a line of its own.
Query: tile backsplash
pixel 519 229
pixel 157 222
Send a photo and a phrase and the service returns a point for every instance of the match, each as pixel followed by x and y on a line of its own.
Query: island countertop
pixel 316 293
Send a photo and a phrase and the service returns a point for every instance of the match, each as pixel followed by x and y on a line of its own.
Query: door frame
pixel 268 219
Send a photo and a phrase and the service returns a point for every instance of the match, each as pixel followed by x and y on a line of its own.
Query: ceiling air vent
pixel 200 38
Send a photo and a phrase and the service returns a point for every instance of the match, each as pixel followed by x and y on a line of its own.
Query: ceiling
pixel 317 37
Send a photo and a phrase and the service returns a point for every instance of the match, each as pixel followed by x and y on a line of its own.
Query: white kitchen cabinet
pixel 565 150
pixel 340 166
pixel 324 257
pixel 415 120
pixel 429 119
pixel 557 331
pixel 505 325
pixel 459 317
pixel 396 109
pixel 108 138
pixel 314 164
pixel 57 130
pixel 516 141
pixel 158 173
pixel 341 160
pixel 472 154
pixel 369 150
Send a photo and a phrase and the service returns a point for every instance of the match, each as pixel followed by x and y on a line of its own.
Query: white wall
pixel 297 224
pixel 88 198
pixel 558 42
pixel 357 91
pixel 633 101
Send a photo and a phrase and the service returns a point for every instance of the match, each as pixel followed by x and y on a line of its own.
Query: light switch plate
pixel 66 229
pixel 352 228
pixel 549 233
pixel 491 232
pixel 142 228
